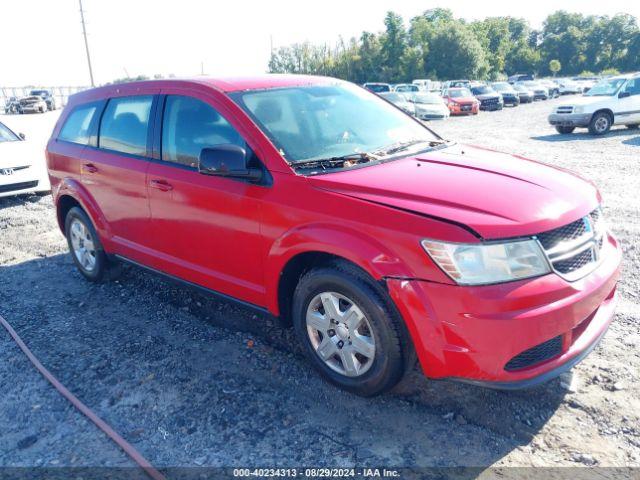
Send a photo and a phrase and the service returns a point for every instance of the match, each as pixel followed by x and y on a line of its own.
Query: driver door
pixel 628 111
pixel 204 229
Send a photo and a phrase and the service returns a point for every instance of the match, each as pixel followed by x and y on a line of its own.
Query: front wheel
pixel 565 130
pixel 349 329
pixel 86 249
pixel 600 123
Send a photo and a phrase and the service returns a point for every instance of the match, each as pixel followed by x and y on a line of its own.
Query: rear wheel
pixel 600 123
pixel 86 249
pixel 565 130
pixel 349 329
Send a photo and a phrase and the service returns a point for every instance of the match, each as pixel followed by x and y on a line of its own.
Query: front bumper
pixel 456 109
pixel 32 108
pixel 570 119
pixel 472 333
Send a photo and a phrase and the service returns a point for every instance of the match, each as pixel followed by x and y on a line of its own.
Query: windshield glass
pixel 605 88
pixel 378 87
pixel 427 98
pixel 483 90
pixel 324 121
pixel 459 92
pixel 7 135
pixel 407 88
pixel 520 88
pixel 40 93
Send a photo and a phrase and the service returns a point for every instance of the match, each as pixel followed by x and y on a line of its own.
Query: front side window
pixel 324 121
pixel 633 87
pixel 189 125
pixel 76 127
pixel 125 123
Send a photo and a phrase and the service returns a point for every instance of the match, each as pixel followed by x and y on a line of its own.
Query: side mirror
pixel 624 94
pixel 22 136
pixel 227 161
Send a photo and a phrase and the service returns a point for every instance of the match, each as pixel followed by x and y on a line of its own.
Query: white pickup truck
pixel 612 101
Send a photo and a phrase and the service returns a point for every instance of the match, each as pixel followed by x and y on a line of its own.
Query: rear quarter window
pixel 76 126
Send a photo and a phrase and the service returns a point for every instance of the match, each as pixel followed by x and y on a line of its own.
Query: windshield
pixel 483 90
pixel 407 88
pixel 605 88
pixel 378 87
pixel 325 121
pixel 502 87
pixel 520 88
pixel 7 135
pixel 39 93
pixel 459 92
pixel 427 98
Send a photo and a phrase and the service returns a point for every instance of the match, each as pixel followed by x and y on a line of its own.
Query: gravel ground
pixel 193 381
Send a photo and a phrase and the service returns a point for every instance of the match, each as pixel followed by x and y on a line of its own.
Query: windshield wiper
pixel 401 146
pixel 336 162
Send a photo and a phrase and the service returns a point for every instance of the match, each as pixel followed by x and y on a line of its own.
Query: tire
pixel 380 332
pixel 633 127
pixel 565 130
pixel 94 264
pixel 600 123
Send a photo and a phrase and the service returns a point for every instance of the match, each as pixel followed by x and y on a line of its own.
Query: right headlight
pixel 487 263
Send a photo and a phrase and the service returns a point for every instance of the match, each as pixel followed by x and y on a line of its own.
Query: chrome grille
pixel 574 249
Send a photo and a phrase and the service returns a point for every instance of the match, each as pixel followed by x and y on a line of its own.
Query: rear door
pixel 114 171
pixel 204 229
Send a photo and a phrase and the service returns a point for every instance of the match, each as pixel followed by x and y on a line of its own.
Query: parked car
pixel 489 99
pixel 520 77
pixel 509 95
pixel 22 166
pixel 47 96
pixel 461 101
pixel 12 105
pixel 540 92
pixel 309 199
pixel 524 94
pixel 429 106
pixel 405 87
pixel 377 87
pixel 552 87
pixel 424 84
pixel 614 101
pixel 585 83
pixel 32 104
pixel 568 87
pixel 400 101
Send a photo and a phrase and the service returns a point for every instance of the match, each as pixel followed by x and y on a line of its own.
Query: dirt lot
pixel 192 381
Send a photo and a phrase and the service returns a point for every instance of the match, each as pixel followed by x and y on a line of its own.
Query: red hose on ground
pixel 101 424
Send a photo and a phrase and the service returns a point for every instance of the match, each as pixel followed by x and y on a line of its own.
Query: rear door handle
pixel 89 168
pixel 161 185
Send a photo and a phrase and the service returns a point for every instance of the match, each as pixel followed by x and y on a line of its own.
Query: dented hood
pixel 495 194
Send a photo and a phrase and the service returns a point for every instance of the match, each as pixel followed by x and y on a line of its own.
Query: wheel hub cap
pixel 340 334
pixel 83 245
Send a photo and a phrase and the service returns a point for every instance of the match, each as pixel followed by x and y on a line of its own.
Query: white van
pixel 613 101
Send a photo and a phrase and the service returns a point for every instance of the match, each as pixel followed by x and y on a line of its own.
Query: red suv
pixel 314 200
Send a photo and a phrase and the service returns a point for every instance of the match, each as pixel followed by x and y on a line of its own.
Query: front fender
pixel 369 254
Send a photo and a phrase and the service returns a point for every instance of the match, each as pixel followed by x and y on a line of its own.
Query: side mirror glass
pixel 624 94
pixel 227 161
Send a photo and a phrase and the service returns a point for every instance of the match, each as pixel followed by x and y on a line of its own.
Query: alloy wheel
pixel 83 245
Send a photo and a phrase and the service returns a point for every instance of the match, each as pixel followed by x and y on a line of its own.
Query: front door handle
pixel 89 168
pixel 162 185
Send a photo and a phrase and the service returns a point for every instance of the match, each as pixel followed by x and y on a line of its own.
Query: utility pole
pixel 86 43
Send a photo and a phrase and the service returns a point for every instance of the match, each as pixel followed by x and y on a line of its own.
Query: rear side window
pixel 76 127
pixel 125 123
pixel 189 125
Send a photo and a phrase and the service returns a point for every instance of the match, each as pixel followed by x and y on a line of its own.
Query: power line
pixel 86 43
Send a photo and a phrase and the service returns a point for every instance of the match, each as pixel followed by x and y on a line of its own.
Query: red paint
pixel 236 237
pixel 467 105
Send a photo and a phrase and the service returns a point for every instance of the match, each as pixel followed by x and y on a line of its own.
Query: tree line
pixel 437 45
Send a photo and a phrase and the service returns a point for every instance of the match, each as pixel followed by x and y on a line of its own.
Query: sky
pixel 44 46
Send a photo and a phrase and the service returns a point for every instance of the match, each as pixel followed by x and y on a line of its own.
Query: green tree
pixel 455 52
pixel 392 43
pixel 554 66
